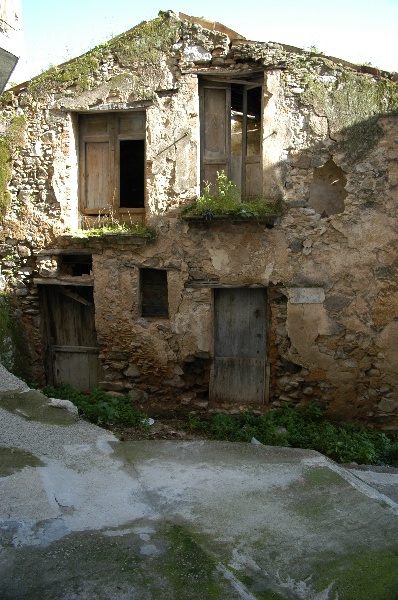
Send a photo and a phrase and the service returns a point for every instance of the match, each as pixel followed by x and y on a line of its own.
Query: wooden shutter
pixel 97 180
pixel 97 162
pixel 215 118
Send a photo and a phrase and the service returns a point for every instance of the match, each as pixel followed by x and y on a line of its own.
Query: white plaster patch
pixel 196 54
pixel 306 295
pixel 38 149
pixel 220 260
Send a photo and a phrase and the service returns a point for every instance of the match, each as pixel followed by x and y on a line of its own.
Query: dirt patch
pixel 166 429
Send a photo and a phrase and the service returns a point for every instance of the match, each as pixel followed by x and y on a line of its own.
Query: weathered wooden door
pixel 72 348
pixel 239 345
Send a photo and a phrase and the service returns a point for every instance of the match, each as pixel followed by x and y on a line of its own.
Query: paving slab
pixel 84 516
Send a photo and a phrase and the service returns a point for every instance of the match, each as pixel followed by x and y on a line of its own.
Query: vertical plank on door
pixel 239 345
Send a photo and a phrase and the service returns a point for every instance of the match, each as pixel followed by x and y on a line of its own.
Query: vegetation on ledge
pixel 226 202
pixel 115 229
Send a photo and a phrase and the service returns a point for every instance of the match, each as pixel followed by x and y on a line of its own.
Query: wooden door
pixel 239 345
pixel 72 348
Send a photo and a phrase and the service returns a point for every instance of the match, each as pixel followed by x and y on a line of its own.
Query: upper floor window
pixel 231 133
pixel 112 162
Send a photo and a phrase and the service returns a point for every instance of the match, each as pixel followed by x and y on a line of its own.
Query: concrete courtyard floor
pixel 83 516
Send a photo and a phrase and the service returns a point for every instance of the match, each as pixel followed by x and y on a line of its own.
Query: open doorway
pixel 70 336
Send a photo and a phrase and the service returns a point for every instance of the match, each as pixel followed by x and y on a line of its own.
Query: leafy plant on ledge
pixel 226 203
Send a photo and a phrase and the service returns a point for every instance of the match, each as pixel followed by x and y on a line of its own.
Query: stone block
pixel 201 404
pixel 175 382
pixel 387 405
pixel 297 203
pixel 118 365
pixel 373 372
pixel 114 394
pixel 296 245
pixel 119 356
pixel 138 396
pixel 306 295
pixel 112 386
pixel 132 371
pixel 308 391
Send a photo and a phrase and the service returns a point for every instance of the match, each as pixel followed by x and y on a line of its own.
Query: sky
pixel 360 31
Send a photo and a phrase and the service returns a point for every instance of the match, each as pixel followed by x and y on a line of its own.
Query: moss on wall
pixel 5 175
pixel 13 139
pixel 147 42
pixel 79 72
pixel 352 98
pixel 144 44
pixel 352 103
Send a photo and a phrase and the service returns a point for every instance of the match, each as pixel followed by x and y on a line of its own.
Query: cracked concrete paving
pixel 83 516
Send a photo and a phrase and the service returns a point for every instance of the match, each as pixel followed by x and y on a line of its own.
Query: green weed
pixel 303 427
pixel 108 223
pixel 98 407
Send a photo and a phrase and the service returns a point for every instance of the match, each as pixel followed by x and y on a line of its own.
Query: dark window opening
pixel 154 295
pixel 76 265
pixel 132 173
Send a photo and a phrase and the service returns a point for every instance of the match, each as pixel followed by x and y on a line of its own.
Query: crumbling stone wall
pixel 329 156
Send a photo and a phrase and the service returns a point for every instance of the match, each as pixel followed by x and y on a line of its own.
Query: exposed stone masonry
pixel 336 177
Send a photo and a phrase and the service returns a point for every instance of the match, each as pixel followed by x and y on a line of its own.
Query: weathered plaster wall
pixel 336 345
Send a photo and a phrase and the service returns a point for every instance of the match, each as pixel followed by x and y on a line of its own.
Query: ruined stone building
pixel 290 295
